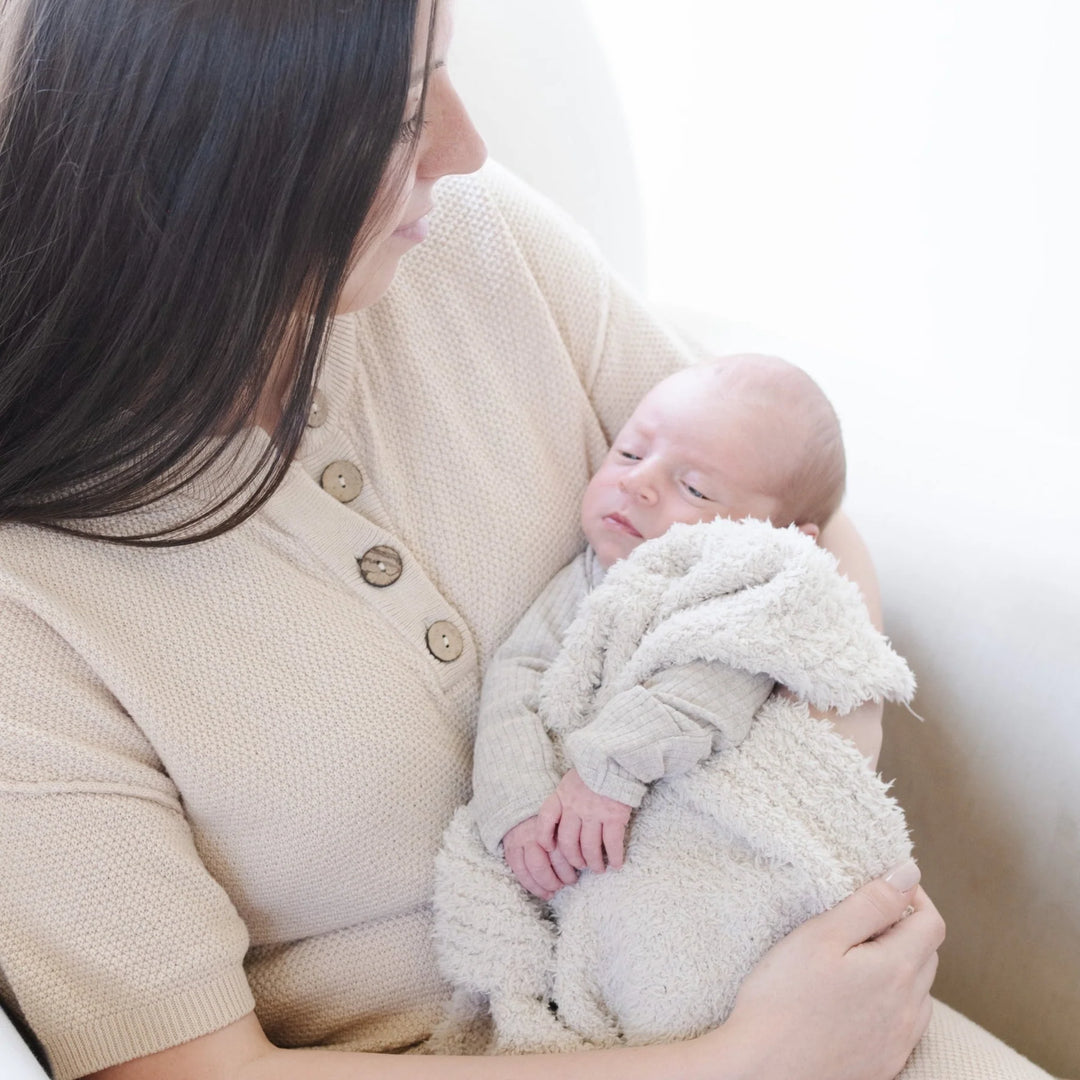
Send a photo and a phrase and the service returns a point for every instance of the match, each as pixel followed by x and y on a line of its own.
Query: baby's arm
pixel 514 767
pixel 661 728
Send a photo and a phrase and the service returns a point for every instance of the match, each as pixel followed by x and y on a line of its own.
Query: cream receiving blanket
pixel 782 823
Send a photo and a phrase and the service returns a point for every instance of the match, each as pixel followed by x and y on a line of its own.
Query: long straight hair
pixel 184 186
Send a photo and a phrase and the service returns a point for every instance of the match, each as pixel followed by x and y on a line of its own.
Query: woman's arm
pixel 842 538
pixel 863 725
pixel 844 996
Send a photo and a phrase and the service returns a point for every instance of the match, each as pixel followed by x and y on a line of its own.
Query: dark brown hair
pixel 183 187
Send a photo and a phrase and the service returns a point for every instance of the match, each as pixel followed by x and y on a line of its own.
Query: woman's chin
pixel 368 283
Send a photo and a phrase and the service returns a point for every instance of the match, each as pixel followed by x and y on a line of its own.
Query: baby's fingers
pixel 547 821
pixel 569 840
pixel 515 859
pixel 566 873
pixel 538 864
pixel 592 846
pixel 615 843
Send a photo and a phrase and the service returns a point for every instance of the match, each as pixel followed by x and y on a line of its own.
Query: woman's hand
pixel 541 872
pixel 587 829
pixel 847 994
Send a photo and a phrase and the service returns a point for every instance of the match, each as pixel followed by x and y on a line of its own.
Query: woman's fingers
pixel 847 994
pixel 874 908
pixel 920 929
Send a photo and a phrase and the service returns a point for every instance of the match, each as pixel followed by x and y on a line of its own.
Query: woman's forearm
pixel 242 1051
pixel 683 1060
pixel 846 995
pixel 863 726
pixel 842 538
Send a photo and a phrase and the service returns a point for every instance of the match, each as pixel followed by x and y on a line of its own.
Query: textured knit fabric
pixel 783 821
pixel 640 736
pixel 225 768
pixel 954 1048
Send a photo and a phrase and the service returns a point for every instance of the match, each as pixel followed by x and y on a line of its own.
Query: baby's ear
pixel 811 530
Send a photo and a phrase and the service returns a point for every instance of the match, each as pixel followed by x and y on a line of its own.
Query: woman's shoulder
pixel 496 196
pixel 502 243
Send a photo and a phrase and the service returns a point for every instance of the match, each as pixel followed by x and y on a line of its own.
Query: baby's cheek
pixel 692 515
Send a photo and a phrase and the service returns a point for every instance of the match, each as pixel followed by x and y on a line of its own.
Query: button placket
pixel 343 480
pixel 444 641
pixel 318 412
pixel 380 566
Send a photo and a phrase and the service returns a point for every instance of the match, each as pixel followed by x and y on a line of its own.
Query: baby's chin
pixel 609 550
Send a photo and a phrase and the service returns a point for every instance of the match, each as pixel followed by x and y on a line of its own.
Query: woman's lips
pixel 620 524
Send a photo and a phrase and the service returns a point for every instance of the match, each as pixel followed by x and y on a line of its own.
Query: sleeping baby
pixel 654 802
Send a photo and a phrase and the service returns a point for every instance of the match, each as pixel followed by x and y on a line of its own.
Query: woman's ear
pixel 811 530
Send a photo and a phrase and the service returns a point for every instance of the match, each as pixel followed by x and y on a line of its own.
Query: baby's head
pixel 743 436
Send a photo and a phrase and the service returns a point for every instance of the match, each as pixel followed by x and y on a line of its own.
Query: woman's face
pixel 447 144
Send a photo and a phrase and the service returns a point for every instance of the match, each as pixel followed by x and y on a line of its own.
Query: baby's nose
pixel 637 485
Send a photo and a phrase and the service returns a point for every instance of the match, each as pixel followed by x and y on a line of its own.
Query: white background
pixel 894 182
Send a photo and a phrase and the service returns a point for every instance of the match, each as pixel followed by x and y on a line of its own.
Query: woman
pixel 254 556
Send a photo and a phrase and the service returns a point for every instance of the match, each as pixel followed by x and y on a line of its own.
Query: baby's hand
pixel 543 873
pixel 582 826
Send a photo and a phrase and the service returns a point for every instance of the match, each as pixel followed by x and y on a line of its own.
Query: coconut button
pixel 380 566
pixel 445 642
pixel 343 480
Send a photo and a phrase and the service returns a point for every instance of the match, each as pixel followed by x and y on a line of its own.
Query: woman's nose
pixel 452 144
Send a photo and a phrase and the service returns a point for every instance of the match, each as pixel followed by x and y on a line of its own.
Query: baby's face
pixel 689 453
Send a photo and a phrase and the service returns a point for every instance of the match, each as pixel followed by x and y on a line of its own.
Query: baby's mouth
pixel 617 521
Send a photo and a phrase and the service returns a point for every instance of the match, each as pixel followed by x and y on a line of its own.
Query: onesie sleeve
pixel 115 941
pixel 664 727
pixel 514 765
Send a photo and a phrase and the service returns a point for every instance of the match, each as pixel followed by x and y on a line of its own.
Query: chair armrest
pixel 16 1060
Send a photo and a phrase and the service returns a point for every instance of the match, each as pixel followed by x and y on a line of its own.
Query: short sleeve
pixel 115 942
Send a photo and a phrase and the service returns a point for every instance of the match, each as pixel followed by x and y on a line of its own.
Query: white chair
pixel 16 1060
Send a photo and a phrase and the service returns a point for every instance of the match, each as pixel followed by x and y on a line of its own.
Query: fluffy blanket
pixel 721 862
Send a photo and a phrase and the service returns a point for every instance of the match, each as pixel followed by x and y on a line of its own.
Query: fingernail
pixel 905 876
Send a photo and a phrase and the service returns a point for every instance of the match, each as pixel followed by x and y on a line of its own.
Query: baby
pixel 742 437
pixel 667 671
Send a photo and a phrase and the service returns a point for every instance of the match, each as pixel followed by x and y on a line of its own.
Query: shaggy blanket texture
pixel 782 823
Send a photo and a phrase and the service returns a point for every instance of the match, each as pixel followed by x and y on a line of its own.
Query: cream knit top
pixel 225 769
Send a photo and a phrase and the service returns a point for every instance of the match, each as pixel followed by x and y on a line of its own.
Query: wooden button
pixel 444 641
pixel 380 566
pixel 343 480
pixel 317 414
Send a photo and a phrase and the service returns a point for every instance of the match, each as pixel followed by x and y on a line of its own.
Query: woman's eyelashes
pixel 411 128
